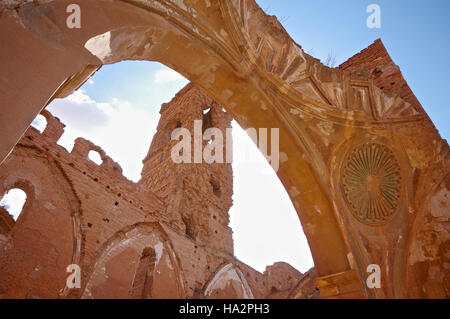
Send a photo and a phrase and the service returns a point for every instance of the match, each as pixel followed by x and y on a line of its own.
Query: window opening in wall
pixel 13 202
pixel 39 123
pixel 95 157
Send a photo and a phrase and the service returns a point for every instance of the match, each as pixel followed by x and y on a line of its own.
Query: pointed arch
pixel 137 262
pixel 228 281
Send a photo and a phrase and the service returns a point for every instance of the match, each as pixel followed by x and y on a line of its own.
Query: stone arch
pixel 47 237
pixel 228 281
pixel 27 187
pixel 243 59
pixel 210 60
pixel 136 262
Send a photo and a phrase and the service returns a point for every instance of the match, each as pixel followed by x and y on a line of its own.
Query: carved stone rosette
pixel 371 183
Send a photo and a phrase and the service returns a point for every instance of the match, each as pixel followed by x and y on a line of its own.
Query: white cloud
pixel 81 112
pixel 166 75
pixel 90 81
pixel 123 131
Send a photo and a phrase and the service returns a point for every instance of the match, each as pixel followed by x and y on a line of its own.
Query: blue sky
pixel 121 103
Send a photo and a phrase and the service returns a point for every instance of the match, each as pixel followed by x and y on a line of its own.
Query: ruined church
pixel 363 164
pixel 166 236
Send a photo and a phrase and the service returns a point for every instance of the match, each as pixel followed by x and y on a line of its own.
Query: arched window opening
pixel 207 119
pixel 95 157
pixel 13 202
pixel 189 223
pixel 39 123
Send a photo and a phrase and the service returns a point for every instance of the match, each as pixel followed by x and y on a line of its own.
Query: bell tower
pixel 196 194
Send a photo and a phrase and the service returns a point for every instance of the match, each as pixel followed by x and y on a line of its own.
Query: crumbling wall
pixel 79 212
pixel 375 63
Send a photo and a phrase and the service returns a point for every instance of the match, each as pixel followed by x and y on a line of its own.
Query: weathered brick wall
pixel 199 194
pixel 374 62
pixel 78 212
